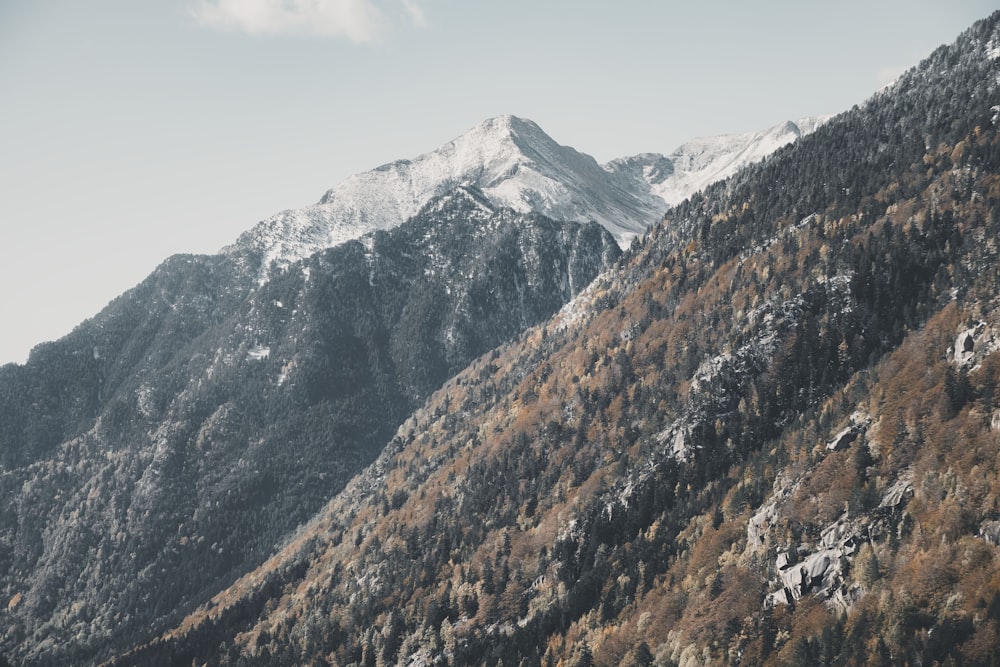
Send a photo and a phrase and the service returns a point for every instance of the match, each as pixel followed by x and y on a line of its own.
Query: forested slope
pixel 166 445
pixel 769 436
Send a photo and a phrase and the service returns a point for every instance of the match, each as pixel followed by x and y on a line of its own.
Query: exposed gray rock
pixel 858 426
pixel 900 491
pixel 759 525
pixel 990 531
pixel 838 532
pixel 972 345
pixel 843 439
pixel 964 348
pixel 822 569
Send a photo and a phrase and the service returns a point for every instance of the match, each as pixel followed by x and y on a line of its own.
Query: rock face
pixel 167 444
pixel 898 493
pixel 820 572
pixel 990 531
pixel 821 568
pixel 760 526
pixel 857 428
pixel 973 344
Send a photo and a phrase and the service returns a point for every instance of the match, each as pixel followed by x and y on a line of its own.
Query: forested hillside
pixel 167 445
pixel 768 437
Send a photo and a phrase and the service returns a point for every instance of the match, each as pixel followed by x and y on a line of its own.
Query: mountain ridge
pixel 517 165
pixel 170 441
pixel 702 161
pixel 767 437
pixel 763 434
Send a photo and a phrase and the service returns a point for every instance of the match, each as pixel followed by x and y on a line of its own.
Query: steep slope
pixel 769 437
pixel 165 445
pixel 517 166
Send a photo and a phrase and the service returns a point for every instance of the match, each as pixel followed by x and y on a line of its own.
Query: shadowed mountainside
pixel 167 444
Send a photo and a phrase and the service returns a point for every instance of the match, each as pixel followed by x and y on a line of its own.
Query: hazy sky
pixel 133 130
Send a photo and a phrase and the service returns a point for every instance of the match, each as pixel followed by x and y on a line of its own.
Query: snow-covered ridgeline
pixel 701 162
pixel 516 165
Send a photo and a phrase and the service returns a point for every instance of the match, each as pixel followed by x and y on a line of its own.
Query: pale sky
pixel 133 130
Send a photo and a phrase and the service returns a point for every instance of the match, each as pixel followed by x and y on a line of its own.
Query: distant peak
pixel 510 122
pixel 509 127
pixel 790 127
pixel 809 124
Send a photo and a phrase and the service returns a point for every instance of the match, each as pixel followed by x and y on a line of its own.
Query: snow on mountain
pixel 701 162
pixel 516 165
pixel 510 159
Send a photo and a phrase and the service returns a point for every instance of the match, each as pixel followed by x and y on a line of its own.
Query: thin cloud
pixel 359 21
pixel 415 12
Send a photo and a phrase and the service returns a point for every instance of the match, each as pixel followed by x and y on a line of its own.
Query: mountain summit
pixel 512 160
pixel 518 166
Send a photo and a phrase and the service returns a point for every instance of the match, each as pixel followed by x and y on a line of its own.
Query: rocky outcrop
pixel 858 426
pixel 822 568
pixel 990 531
pixel 821 571
pixel 972 345
pixel 897 494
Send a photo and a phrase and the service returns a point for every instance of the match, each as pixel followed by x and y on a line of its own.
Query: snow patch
pixel 517 166
pixel 703 161
pixel 993 49
pixel 511 160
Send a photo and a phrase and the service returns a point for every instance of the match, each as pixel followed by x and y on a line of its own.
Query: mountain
pixel 767 436
pixel 511 160
pixel 205 413
pixel 701 162
pixel 166 445
pixel 516 165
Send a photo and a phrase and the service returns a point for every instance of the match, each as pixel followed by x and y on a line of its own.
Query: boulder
pixel 900 491
pixel 964 348
pixel 990 531
pixel 972 345
pixel 843 439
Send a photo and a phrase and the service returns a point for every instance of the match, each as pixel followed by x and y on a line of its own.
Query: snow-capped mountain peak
pixel 484 155
pixel 515 164
pixel 512 160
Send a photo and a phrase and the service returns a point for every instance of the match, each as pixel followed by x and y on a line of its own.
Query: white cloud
pixel 356 20
pixel 415 12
